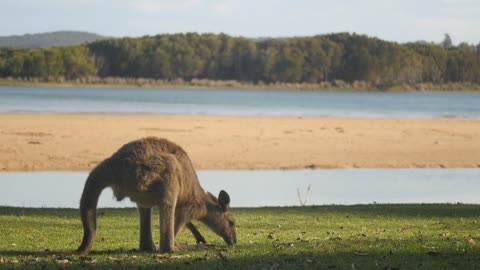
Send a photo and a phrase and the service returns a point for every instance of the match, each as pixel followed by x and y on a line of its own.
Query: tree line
pixel 323 58
pixel 58 62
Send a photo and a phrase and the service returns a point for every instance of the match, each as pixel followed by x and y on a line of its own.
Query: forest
pixel 343 57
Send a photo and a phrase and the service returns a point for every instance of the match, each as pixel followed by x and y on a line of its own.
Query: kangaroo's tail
pixel 96 182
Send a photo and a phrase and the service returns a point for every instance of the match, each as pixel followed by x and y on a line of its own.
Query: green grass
pixel 325 237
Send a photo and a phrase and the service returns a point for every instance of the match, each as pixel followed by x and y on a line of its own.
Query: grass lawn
pixel 324 237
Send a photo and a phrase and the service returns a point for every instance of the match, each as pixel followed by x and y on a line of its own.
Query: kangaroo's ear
pixel 224 200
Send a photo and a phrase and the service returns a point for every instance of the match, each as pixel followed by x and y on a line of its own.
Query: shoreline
pixel 77 142
pixel 142 83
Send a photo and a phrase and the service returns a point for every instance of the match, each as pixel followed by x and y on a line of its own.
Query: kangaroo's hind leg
pixel 145 216
pixel 167 222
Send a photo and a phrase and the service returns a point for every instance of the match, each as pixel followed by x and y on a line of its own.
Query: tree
pixel 54 62
pixel 244 59
pixel 478 52
pixel 288 68
pixel 267 58
pixel 160 65
pixel 77 62
pixel 447 41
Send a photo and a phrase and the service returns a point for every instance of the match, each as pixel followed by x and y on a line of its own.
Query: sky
pixel 394 20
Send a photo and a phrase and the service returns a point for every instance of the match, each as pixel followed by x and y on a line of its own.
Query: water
pixel 268 188
pixel 239 102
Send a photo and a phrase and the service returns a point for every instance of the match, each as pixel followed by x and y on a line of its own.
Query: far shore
pixel 73 142
pixel 337 85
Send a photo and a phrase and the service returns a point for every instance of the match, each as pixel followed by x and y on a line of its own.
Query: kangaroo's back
pixel 149 164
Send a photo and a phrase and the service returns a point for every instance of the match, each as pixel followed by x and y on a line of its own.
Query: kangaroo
pixel 155 172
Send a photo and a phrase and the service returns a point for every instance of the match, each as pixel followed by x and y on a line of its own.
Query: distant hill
pixel 44 40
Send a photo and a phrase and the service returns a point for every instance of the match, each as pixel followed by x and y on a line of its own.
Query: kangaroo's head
pixel 218 219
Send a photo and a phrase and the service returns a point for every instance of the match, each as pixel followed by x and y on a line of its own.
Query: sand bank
pixel 79 141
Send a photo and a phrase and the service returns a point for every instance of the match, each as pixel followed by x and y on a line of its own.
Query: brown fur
pixel 155 172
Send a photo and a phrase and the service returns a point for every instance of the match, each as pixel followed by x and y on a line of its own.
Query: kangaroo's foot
pixel 168 249
pixel 148 247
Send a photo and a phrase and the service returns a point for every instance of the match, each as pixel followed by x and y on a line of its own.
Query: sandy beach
pixel 50 142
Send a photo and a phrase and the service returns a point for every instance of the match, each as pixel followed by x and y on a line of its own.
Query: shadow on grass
pixel 387 210
pixel 397 210
pixel 215 259
pixel 62 212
